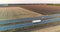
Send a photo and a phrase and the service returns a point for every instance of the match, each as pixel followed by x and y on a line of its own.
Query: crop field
pixel 43 9
pixel 7 13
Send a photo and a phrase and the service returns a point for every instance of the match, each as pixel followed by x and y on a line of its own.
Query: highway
pixel 49 19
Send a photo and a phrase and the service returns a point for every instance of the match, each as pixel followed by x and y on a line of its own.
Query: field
pixel 8 13
pixel 43 9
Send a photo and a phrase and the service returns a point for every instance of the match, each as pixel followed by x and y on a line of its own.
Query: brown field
pixel 43 9
pixel 50 29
